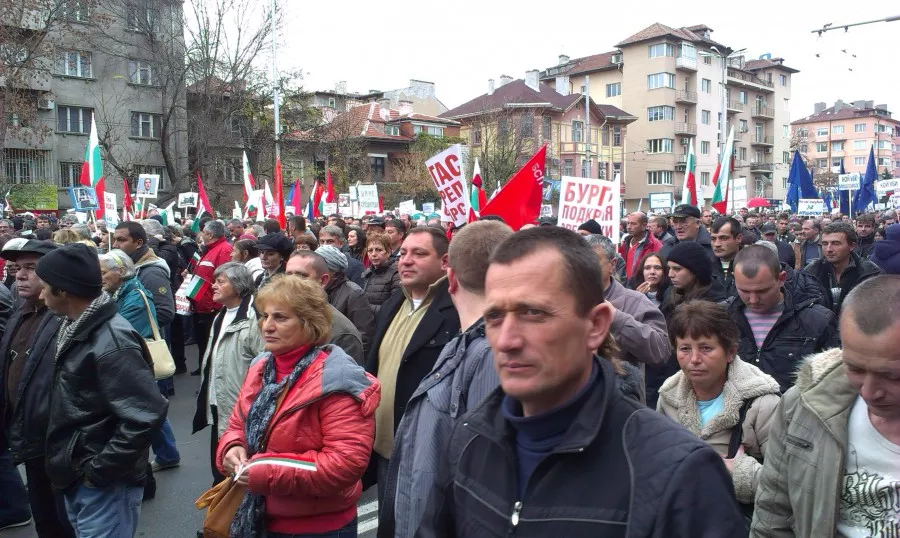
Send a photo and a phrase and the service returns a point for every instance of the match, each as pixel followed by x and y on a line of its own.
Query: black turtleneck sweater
pixel 538 436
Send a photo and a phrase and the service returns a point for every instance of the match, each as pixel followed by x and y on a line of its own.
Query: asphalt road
pixel 172 514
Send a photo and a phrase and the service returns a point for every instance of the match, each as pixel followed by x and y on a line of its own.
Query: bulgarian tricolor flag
pixel 92 169
pixel 477 196
pixel 722 176
pixel 197 287
pixel 249 184
pixel 689 190
pixel 203 205
pixel 327 196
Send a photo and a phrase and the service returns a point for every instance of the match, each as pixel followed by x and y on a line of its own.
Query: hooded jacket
pixel 620 470
pixel 328 417
pixel 800 485
pixel 743 383
pixel 153 272
pixel 886 253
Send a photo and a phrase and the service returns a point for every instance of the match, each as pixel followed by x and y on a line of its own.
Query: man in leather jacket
pixel 27 352
pixel 104 403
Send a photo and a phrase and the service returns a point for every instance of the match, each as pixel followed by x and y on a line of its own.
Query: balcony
pixel 683 96
pixel 569 147
pixel 735 107
pixel 685 63
pixel 681 162
pixel 740 164
pixel 686 129
pixel 759 140
pixel 740 78
pixel 761 168
pixel 738 136
pixel 762 112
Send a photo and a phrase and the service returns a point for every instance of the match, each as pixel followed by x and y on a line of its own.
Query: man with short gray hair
pixel 333 236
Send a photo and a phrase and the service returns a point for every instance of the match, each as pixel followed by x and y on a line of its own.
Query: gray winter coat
pixel 153 272
pixel 638 327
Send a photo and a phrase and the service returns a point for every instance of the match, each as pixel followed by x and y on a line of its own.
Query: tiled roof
pixel 755 65
pixel 690 33
pixel 368 121
pixel 591 64
pixel 611 111
pixel 846 112
pixel 512 93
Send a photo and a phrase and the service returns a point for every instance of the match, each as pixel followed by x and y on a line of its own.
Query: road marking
pixel 367 525
pixel 368 508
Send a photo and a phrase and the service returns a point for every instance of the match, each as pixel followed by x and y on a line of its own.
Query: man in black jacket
pixel 865 230
pixel 410 331
pixel 776 330
pixel 529 459
pixel 104 404
pixel 840 269
pixel 27 351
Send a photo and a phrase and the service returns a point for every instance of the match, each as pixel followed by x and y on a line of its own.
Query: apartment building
pixel 517 117
pixel 420 94
pixel 845 133
pixel 672 79
pixel 112 78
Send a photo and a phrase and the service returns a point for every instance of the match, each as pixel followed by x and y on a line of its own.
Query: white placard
pixel 895 201
pixel 887 185
pixel 344 205
pixel 187 199
pixel 583 199
pixel 446 171
pixel 848 182
pixel 110 215
pixel 660 200
pixel 368 199
pixel 407 207
pixel 330 208
pixel 148 185
pixel 428 208
pixel 810 207
pixel 546 210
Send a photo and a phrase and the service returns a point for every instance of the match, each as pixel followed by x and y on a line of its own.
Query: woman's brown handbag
pixel 221 502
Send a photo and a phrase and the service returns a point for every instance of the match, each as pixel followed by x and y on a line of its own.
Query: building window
pixel 837 145
pixel 821 147
pixel 836 163
pixel 786 157
pixel 705 116
pixel 707 60
pixel 660 145
pixel 704 147
pixel 392 130
pixel 583 89
pixel 332 103
pixel 528 125
pixel 430 130
pixel 73 63
pixel 502 129
pixel 837 129
pixel 142 19
pixel 884 161
pixel 376 167
pixel 577 131
pixel 860 144
pixel 706 85
pixel 74 11
pixel 146 125
pixel 585 164
pixel 804 148
pixel 821 163
pixel 742 154
pixel 743 126
pixel 476 136
pixel 783 79
pixel 742 97
pixel 660 113
pixel 884 144
pixel 786 131
pixel 545 127
pixel 617 135
pixel 859 127
pixel 142 73
pixel 232 171
pixel 704 179
pixel 660 80
pixel 568 167
pixel 822 131
pixel 26 165
pixel 613 90
pixel 69 174
pixel 659 177
pixel 660 50
pixel 156 171
pixel 70 119
pixel 859 161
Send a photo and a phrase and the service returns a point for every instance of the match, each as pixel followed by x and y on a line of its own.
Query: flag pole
pixel 279 185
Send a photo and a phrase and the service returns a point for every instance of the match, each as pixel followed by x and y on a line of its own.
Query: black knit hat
pixel 73 268
pixel 693 257
pixel 592 226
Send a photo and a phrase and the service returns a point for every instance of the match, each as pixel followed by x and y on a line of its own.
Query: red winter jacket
pixel 327 416
pixel 217 253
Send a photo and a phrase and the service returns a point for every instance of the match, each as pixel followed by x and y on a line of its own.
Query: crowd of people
pixel 707 375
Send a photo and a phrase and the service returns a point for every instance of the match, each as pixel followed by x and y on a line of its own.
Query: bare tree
pixel 503 139
pixel 411 177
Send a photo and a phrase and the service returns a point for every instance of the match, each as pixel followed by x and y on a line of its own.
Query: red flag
pixel 295 200
pixel 317 199
pixel 519 201
pixel 380 204
pixel 330 197
pixel 279 193
pixel 127 203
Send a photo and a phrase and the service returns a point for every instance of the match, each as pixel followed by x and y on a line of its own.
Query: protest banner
pixel 368 199
pixel 290 210
pixel 148 185
pixel 660 200
pixel 407 207
pixel 583 199
pixel 810 207
pixel 428 208
pixel 110 214
pixel 344 207
pixel 895 201
pixel 848 182
pixel 446 171
pixel 329 208
pixel 887 185
pixel 187 199
pixel 83 198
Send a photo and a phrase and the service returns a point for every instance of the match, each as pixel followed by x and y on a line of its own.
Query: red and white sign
pixel 582 199
pixel 446 171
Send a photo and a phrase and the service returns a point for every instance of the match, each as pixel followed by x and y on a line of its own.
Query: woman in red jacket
pixel 307 404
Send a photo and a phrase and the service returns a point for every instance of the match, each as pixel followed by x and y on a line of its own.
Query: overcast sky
pixel 460 45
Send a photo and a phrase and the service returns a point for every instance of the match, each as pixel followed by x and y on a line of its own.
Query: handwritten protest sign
pixel 368 199
pixel 109 210
pixel 583 199
pixel 445 169
pixel 810 207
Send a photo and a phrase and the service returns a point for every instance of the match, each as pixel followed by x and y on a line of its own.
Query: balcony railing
pixel 749 79
pixel 681 161
pixel 685 128
pixel 738 136
pixel 683 62
pixel 684 96
pixel 758 140
pixel 762 112
pixel 758 167
pixel 735 107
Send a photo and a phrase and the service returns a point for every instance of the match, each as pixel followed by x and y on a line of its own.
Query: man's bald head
pixel 874 305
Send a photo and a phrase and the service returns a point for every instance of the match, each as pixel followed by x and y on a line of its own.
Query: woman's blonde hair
pixel 306 298
pixel 66 236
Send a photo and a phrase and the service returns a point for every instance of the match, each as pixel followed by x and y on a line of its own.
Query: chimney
pixel 490 86
pixel 505 79
pixel 384 103
pixel 341 87
pixel 838 106
pixel 531 79
pixel 562 84
pixel 406 108
pixel 881 107
pixel 563 59
pixel 819 107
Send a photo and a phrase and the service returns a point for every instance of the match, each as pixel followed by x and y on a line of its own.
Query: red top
pixel 284 364
pixel 217 253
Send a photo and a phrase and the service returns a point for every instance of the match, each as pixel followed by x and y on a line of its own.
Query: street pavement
pixel 172 513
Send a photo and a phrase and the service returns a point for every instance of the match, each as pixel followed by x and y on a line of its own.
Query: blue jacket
pixel 132 307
